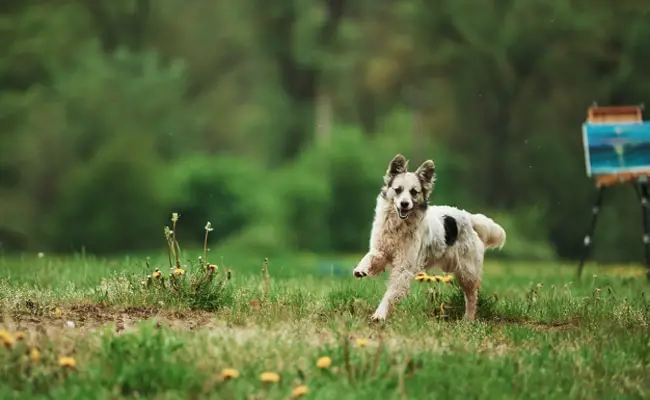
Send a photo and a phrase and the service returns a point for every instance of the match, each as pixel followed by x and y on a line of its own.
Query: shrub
pixel 115 202
pixel 225 190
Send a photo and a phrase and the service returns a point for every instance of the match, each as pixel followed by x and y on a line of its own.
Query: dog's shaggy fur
pixel 412 236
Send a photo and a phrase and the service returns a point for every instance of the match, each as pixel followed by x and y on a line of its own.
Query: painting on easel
pixel 616 143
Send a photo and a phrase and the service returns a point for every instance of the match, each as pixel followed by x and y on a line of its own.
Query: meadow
pixel 239 327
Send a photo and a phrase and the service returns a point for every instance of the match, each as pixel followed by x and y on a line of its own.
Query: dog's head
pixel 408 190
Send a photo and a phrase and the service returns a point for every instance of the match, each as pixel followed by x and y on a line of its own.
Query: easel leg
pixel 644 197
pixel 588 239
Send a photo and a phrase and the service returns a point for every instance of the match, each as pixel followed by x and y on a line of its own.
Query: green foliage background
pixel 275 120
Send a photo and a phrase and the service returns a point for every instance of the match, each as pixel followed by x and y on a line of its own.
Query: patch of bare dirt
pixel 536 325
pixel 88 316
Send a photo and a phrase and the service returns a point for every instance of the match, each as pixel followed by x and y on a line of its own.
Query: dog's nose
pixel 404 204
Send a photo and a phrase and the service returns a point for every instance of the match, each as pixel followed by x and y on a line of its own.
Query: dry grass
pixel 541 333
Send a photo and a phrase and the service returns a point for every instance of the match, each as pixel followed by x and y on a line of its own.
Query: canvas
pixel 615 148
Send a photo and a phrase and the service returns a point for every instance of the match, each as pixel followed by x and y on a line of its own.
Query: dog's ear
pixel 397 165
pixel 427 174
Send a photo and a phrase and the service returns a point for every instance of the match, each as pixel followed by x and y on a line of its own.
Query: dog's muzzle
pixel 403 213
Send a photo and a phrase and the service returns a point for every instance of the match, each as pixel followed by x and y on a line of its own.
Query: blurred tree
pixel 296 34
pixel 494 91
pixel 115 202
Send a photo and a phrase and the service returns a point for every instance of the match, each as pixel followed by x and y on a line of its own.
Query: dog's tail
pixel 491 233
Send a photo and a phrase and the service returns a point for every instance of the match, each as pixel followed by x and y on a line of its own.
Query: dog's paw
pixel 360 272
pixel 378 318
pixel 381 313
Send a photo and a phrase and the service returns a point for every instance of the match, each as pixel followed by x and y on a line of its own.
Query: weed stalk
pixel 175 239
pixel 267 280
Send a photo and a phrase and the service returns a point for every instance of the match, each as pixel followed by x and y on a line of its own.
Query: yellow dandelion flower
pixel 34 355
pixel 229 373
pixel 57 312
pixel 68 362
pixel 421 277
pixel 447 279
pixel 156 273
pixel 361 342
pixel 20 336
pixel 6 339
pixel 270 377
pixel 324 362
pixel 299 391
pixel 179 271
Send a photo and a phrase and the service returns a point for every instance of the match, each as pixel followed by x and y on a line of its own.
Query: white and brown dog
pixel 411 236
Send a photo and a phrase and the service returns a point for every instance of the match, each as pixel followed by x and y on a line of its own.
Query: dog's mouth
pixel 402 213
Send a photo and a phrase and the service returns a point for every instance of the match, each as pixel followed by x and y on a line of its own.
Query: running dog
pixel 410 235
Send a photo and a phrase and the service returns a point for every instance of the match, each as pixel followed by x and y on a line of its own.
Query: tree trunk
pixel 323 118
pixel 300 82
pixel 417 133
pixel 127 29
pixel 366 111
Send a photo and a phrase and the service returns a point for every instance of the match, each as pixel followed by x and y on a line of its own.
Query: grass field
pixel 540 333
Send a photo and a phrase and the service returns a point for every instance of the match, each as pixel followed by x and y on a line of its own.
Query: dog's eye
pixel 414 192
pixel 398 190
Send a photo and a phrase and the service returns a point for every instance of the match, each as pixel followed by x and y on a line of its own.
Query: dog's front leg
pixel 398 287
pixel 373 263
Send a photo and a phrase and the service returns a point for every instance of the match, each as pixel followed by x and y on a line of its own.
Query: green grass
pixel 541 333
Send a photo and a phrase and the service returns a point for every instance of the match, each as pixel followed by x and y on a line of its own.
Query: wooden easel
pixel 638 179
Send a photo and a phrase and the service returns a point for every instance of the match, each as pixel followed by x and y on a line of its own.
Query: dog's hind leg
pixel 470 285
pixel 398 287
